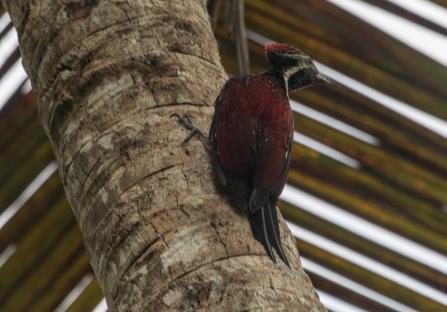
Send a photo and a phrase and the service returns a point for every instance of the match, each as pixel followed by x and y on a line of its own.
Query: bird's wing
pixel 263 215
pixel 279 185
pixel 219 103
pixel 232 134
pixel 272 163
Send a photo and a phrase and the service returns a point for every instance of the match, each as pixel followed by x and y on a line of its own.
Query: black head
pixel 283 57
pixel 297 68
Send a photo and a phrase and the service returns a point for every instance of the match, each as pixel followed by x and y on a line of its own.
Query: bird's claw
pixel 186 122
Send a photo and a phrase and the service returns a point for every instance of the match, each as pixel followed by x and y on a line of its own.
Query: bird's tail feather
pixel 265 228
pixel 273 230
pixel 258 225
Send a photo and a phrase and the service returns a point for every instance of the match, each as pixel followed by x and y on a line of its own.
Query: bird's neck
pixel 282 77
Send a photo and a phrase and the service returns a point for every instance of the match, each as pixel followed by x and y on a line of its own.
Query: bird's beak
pixel 322 79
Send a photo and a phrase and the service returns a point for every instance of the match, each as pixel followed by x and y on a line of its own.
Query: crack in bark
pixel 156 172
pixel 181 207
pixel 214 261
pixel 160 235
pixel 200 58
pixel 214 225
pixel 98 181
pixel 131 264
pixel 96 166
pixel 261 307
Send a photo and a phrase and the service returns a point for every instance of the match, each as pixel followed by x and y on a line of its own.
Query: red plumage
pixel 254 130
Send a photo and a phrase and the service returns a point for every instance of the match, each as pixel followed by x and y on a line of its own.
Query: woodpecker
pixel 251 138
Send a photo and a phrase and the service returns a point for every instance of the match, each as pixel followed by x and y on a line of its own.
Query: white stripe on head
pixel 291 71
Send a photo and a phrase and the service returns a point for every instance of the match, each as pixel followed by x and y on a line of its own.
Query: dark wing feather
pixel 273 230
pixel 258 223
pixel 230 137
pixel 262 205
pixel 272 164
pixel 276 191
pixel 212 137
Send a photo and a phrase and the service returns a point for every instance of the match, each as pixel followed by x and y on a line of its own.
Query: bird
pixel 251 134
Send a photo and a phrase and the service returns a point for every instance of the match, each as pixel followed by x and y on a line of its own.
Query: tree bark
pixel 108 76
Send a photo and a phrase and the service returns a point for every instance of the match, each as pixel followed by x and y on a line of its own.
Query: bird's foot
pixel 186 122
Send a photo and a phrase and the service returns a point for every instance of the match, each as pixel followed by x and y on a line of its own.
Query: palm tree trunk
pixel 109 75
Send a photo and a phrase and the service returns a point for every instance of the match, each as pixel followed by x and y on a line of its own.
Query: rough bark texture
pixel 108 75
